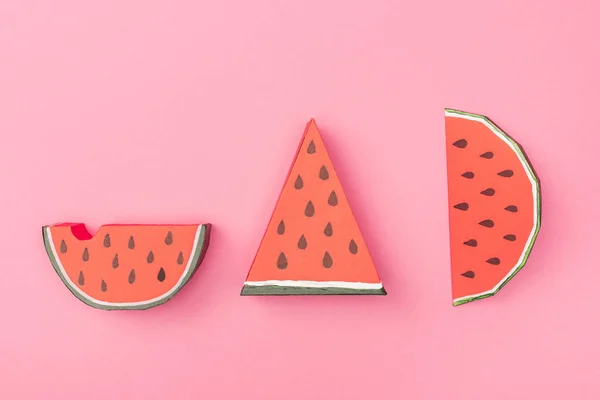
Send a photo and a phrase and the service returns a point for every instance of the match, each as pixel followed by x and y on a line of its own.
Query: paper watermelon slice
pixel 312 244
pixel 494 206
pixel 125 267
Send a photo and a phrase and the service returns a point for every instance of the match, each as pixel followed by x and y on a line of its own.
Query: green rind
pixel 201 247
pixel 274 290
pixel 470 299
pixel 521 154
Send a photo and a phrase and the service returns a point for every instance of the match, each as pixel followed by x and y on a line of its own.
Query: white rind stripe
pixel 314 284
pixel 534 187
pixel 122 305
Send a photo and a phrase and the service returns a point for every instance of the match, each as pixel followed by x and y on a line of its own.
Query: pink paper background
pixel 183 111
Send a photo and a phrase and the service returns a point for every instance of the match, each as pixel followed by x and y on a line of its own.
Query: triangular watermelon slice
pixel 494 206
pixel 312 244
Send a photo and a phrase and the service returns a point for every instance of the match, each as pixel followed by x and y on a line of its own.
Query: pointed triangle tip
pixel 311 128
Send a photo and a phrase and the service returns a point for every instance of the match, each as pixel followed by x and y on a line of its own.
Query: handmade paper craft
pixel 125 267
pixel 494 206
pixel 312 244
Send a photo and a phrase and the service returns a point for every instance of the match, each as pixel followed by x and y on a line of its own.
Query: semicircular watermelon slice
pixel 125 267
pixel 494 206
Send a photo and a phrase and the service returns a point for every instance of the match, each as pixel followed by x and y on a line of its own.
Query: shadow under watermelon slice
pixel 125 267
pixel 312 245
pixel 494 206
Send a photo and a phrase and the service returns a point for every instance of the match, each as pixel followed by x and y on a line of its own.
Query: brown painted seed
pixel 311 149
pixel 488 223
pixel 468 175
pixel 131 277
pixel 327 260
pixel 461 206
pixel 309 211
pixel 282 261
pixel 302 243
pixel 461 143
pixel 115 261
pixel 281 228
pixel 353 247
pixel 169 238
pixel 488 192
pixel 510 238
pixel 469 274
pixel 299 184
pixel 493 261
pixel 63 246
pixel 328 230
pixel 150 257
pixel 86 255
pixel 161 275
pixel 323 173
pixel 81 279
pixel 131 243
pixel 332 200
pixel 106 242
pixel 103 286
pixel 487 155
pixel 471 243
pixel 507 173
pixel 511 209
pixel 180 258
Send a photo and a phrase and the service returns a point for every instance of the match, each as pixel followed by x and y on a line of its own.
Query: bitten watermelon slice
pixel 312 244
pixel 494 206
pixel 125 267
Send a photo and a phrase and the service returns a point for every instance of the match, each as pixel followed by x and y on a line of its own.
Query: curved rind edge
pixel 527 251
pixel 198 256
